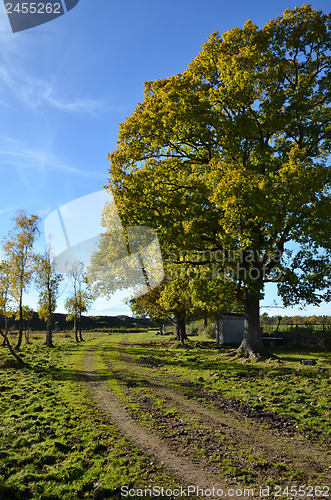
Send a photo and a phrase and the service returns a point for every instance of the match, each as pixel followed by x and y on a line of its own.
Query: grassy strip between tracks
pixel 259 391
pixel 281 385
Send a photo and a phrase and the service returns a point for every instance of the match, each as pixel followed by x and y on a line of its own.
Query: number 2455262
pixel 33 8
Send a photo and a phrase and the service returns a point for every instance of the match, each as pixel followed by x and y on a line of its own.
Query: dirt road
pixel 208 447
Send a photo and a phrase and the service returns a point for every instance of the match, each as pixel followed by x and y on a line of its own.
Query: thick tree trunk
pixel 49 339
pixel 76 329
pixel 251 344
pixel 181 330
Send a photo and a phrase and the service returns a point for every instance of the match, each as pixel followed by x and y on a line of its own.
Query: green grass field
pixel 55 444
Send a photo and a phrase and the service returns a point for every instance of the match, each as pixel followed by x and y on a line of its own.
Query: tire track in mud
pixel 196 471
pixel 273 447
pixel 265 439
pixel 186 470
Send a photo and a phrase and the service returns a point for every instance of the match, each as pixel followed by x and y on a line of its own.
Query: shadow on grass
pixel 156 357
pixel 191 360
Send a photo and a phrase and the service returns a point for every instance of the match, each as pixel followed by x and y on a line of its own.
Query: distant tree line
pixel 89 323
pixel 267 320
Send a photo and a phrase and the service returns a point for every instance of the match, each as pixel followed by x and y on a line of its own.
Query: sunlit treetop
pixel 233 153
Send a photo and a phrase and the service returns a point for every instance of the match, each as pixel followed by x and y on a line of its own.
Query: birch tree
pixel 6 309
pixel 80 300
pixel 6 305
pixel 20 256
pixel 48 281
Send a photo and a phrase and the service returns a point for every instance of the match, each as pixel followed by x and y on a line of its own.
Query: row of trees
pixel 21 266
pixel 229 163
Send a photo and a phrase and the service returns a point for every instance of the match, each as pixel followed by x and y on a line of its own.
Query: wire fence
pixel 297 328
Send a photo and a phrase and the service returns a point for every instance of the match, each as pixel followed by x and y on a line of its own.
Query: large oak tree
pixel 170 300
pixel 230 158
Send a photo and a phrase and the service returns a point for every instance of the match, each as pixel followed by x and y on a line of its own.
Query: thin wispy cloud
pixel 18 156
pixel 5 211
pixel 36 92
pixel 90 106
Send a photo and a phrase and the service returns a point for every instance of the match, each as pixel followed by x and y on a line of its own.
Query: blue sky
pixel 66 85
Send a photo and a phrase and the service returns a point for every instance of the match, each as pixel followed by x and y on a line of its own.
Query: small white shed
pixel 229 328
